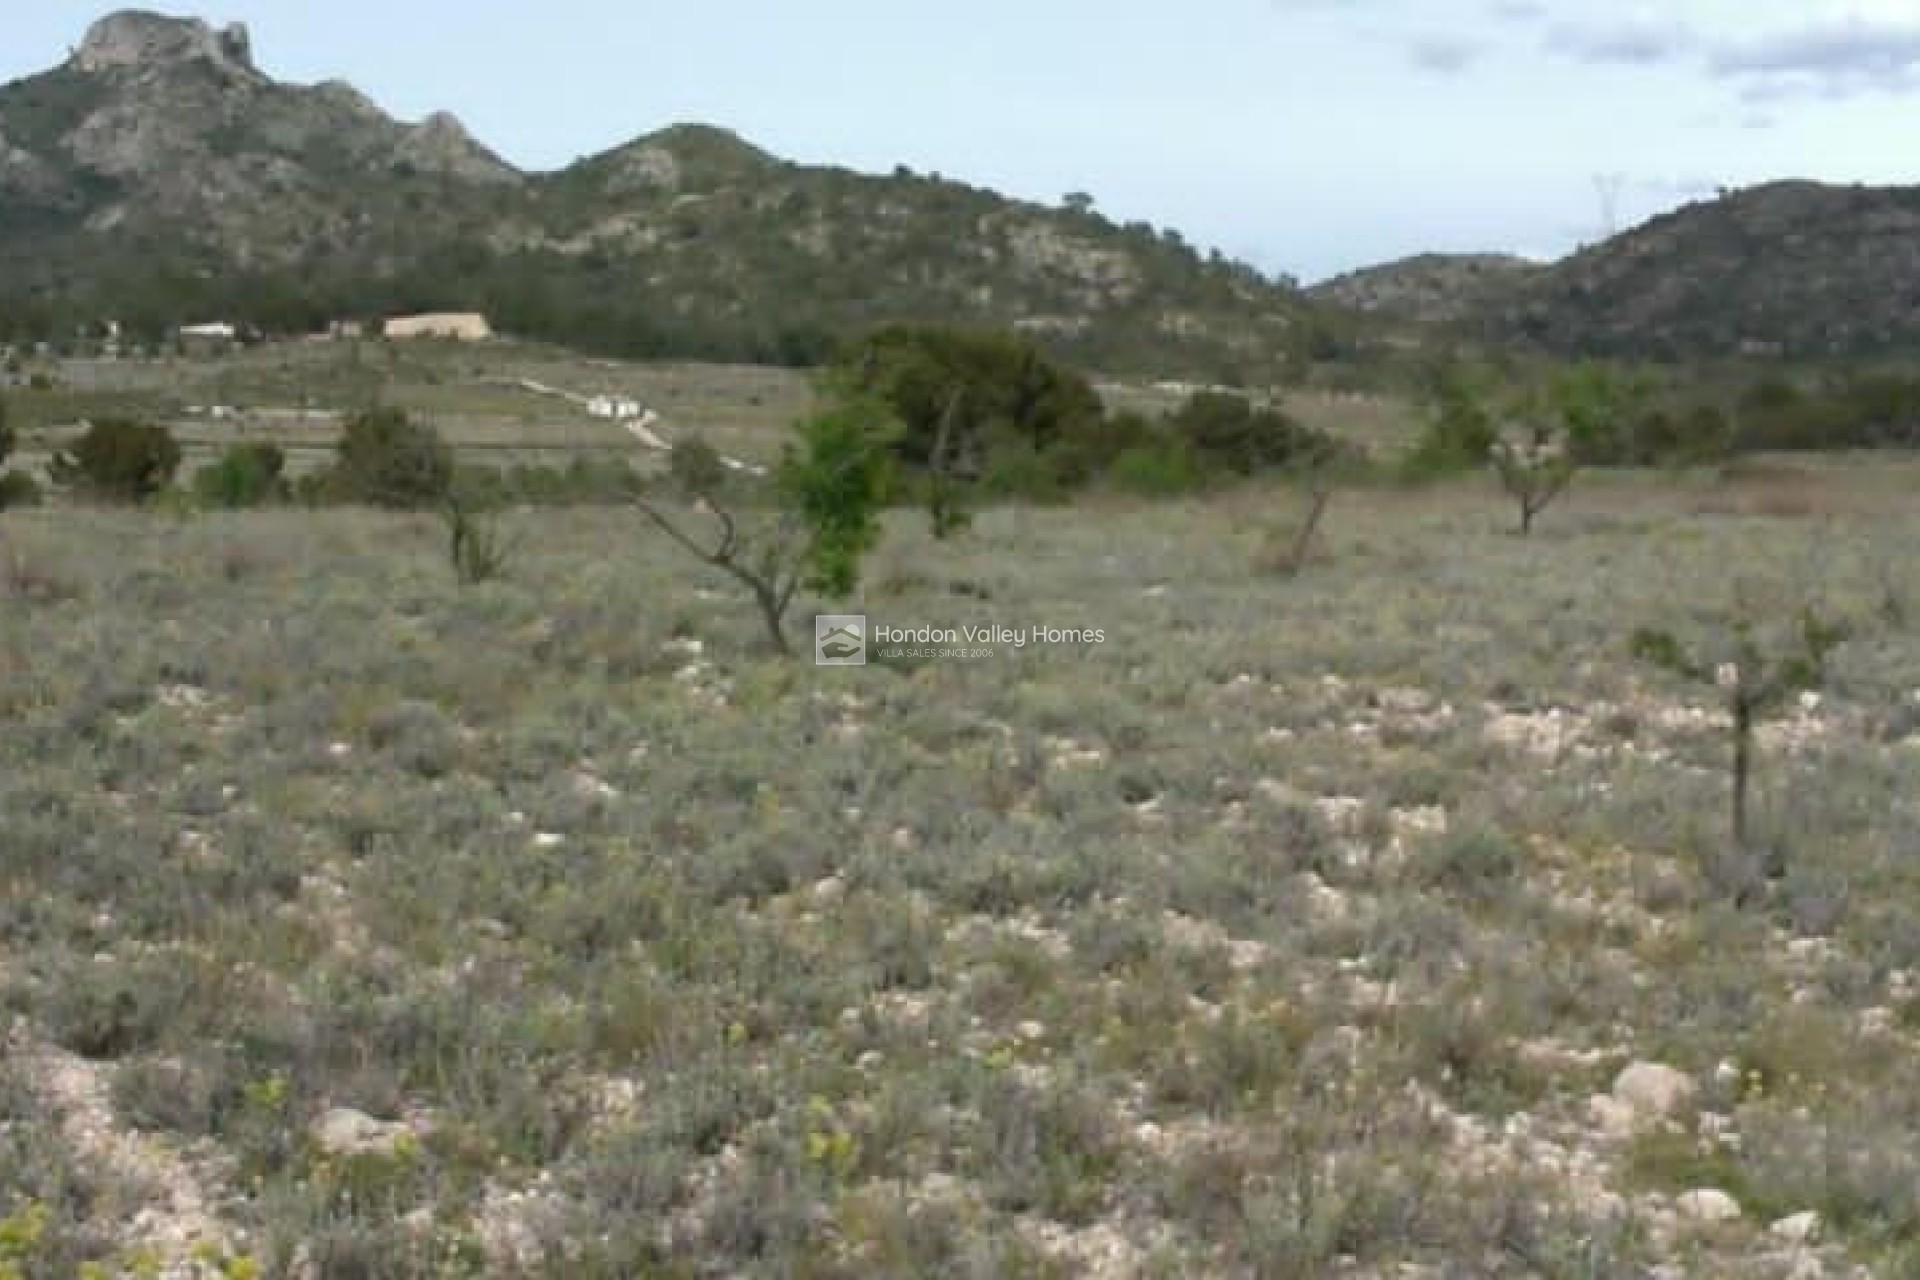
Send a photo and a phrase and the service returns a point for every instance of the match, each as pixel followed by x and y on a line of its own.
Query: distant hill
pixel 159 176
pixel 1791 269
pixel 1430 288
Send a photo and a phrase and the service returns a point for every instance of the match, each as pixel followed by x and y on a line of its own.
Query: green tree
pixel 1461 432
pixel 250 474
pixel 119 461
pixel 1012 399
pixel 1599 410
pixel 1227 433
pixel 831 486
pixel 386 459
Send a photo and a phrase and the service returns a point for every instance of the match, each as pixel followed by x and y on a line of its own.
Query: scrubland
pixel 1360 923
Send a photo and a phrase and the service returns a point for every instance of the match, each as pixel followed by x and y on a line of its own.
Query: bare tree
pixel 945 509
pixel 1754 683
pixel 1534 471
pixel 830 486
pixel 477 546
pixel 1318 473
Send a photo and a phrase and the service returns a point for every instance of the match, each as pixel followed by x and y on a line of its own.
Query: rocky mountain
pixel 1430 288
pixel 1798 270
pixel 159 176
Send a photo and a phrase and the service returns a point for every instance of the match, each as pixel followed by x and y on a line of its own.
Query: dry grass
pixel 1291 932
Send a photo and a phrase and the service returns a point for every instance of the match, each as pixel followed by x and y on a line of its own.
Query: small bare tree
pixel 477 546
pixel 1754 684
pixel 946 510
pixel 1534 470
pixel 830 488
pixel 1317 472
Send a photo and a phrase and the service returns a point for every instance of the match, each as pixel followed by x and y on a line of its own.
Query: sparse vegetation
pixel 538 883
pixel 1131 915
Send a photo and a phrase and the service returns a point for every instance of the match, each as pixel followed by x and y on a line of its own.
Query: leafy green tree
pixel 1461 432
pixel 1598 410
pixel 834 478
pixel 250 474
pixel 386 459
pixel 1227 433
pixel 119 461
pixel 1012 398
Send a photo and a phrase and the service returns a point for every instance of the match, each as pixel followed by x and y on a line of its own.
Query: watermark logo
pixel 840 640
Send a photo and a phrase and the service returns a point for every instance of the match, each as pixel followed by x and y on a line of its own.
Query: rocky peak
pixel 441 144
pixel 136 38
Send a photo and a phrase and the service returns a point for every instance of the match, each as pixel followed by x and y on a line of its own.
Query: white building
pixel 617 408
pixel 462 326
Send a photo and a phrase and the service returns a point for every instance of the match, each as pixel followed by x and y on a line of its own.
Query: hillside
pixel 159 176
pixel 1794 269
pixel 1428 288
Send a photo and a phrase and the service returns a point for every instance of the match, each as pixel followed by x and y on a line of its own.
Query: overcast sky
pixel 1307 136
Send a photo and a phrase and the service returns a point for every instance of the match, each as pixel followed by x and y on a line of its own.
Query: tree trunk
pixel 1303 541
pixel 772 613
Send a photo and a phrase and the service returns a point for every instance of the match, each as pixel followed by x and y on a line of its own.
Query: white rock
pixel 1708 1205
pixel 587 786
pixel 1798 1228
pixel 1610 1116
pixel 344 1131
pixel 1654 1091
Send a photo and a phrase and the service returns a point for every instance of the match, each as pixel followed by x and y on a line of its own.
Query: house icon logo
pixel 840 640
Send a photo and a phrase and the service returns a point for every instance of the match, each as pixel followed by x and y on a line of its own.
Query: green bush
pixel 119 461
pixel 1163 469
pixel 18 489
pixel 1001 393
pixel 386 459
pixel 247 475
pixel 1226 432
pixel 1461 433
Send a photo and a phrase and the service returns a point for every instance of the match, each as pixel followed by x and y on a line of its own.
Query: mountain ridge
pixel 158 175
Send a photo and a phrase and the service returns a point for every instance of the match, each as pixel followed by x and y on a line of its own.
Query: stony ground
pixel 1377 922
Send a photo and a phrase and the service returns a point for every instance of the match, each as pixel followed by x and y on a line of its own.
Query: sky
pixel 1305 136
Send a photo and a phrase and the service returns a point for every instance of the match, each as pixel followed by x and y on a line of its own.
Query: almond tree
pixel 1534 471
pixel 1753 682
pixel 830 488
